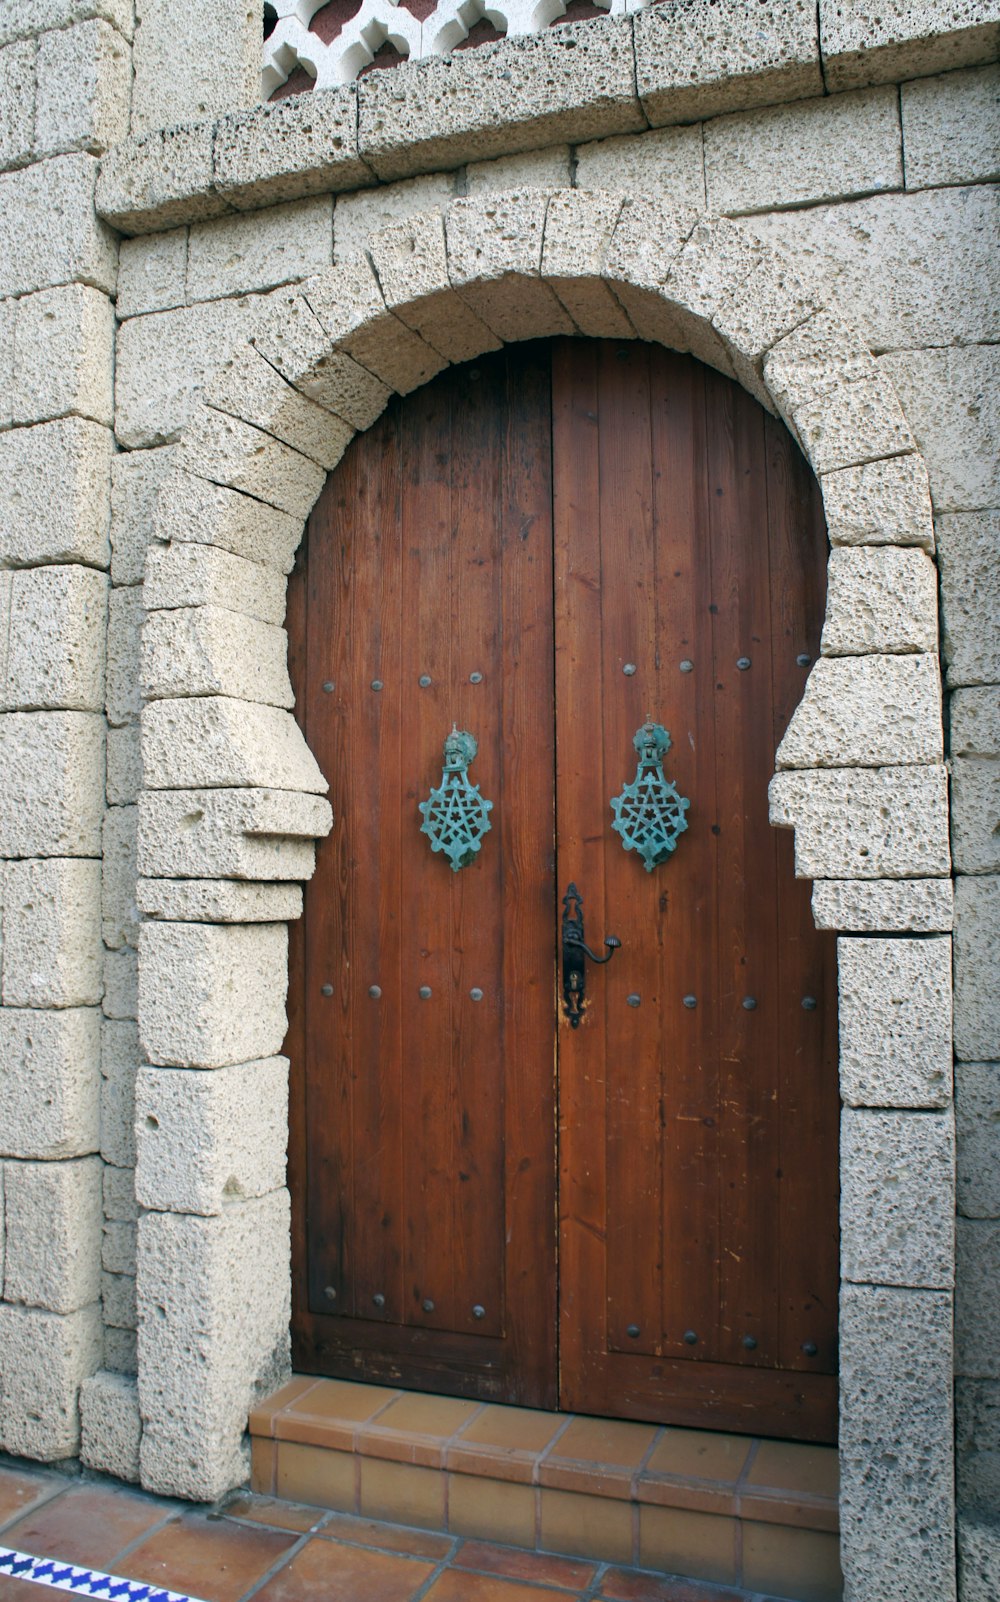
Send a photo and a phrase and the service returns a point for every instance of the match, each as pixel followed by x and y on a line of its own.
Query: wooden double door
pixel 635 1216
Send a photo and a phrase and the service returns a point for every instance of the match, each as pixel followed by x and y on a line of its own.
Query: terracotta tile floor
pixel 258 1547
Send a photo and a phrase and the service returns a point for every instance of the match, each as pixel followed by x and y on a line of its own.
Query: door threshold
pixel 733 1509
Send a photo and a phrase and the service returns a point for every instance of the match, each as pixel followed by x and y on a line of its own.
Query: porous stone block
pixel 695 62
pixel 200 575
pixel 896 1443
pixel 866 711
pixel 121 1056
pixel 53 1217
pixel 124 779
pixel 49 1082
pixel 220 741
pixel 359 216
pixel 206 1140
pixel 977 962
pixel 975 722
pixel 903 39
pixel 667 163
pixel 895 1022
pixel 118 1301
pixel 56 641
pixel 649 234
pixel 239 834
pixel 978 1556
pixel 35 249
pixel 900 906
pixel 195 65
pixel 213 1338
pixel 121 984
pixel 8 313
pixel 227 451
pixel 279 245
pixel 294 342
pixel 977 1113
pixel 110 1425
pixel 880 823
pixel 126 614
pixel 975 814
pixel 84 83
pixel 348 304
pixel 302 145
pixel 119 915
pixel 572 83
pixel 842 409
pixel 844 145
pixel 151 273
pixel 120 1205
pixel 977 1443
pixel 63 355
pixel 977 1299
pixel 52 938
pixel 17 103
pixel 118 1247
pixel 494 262
pixel 190 510
pixel 219 901
pixel 249 388
pixel 951 398
pixel 210 995
pixel 52 801
pixel 163 362
pixel 579 228
pixel 535 169
pixel 158 179
pixel 120 1356
pixel 897 1198
pixel 951 128
pixel 136 477
pixel 880 503
pixel 44 1359
pixel 206 650
pixel 411 261
pixel 880 600
pixel 36 525
pixel 22 18
pixel 969 563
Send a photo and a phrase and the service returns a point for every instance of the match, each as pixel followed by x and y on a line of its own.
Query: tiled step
pixel 759 1514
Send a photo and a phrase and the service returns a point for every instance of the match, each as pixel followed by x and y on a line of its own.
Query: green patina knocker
pixel 649 813
pixel 455 815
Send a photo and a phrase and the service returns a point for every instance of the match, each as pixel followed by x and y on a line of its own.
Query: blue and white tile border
pixel 59 1576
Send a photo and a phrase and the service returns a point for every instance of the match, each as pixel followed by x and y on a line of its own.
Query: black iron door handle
pixel 574 952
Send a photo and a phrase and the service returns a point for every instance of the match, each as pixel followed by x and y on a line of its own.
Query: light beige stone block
pixel 56 642
pixel 348 304
pixel 22 18
pixel 872 823
pixel 952 401
pixel 866 711
pixel 535 169
pixel 8 312
pixel 49 1082
pixel 200 575
pixel 843 145
pixel 279 245
pixel 695 63
pixel 977 1301
pixel 249 388
pixel 665 163
pixel 52 801
pixel 160 179
pixel 120 1205
pixel 37 526
pixel 190 510
pixel 164 361
pixel 222 741
pixel 410 259
pixel 52 941
pixel 975 814
pixel 126 615
pixel 121 984
pixel 977 1111
pixel 889 906
pixel 196 65
pixel 895 1022
pixel 118 1301
pixel 246 834
pixel 219 901
pixel 904 39
pixel 294 342
pixel 121 1056
pixel 206 650
pixel 897 1198
pixel 969 562
pixel 53 1216
pixel 879 503
pixel 63 355
pixel 17 103
pixel 648 236
pixel 494 262
pixel 44 1359
pixel 977 960
pixel 951 128
pixel 120 1356
pixel 303 145
pixel 210 995
pixel 136 477
pixel 359 216
pixel 151 273
pixel 880 600
pixel 33 252
pixel 579 228
pixel 110 1425
pixel 119 914
pixel 226 451
pixel 118 1247
pixel 206 1140
pixel 975 722
pixel 84 84
pixel 124 779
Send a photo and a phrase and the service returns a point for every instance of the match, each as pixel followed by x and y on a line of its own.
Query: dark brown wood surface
pixel 696 1145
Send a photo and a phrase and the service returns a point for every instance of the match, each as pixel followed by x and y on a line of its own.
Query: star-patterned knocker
pixel 456 816
pixel 649 813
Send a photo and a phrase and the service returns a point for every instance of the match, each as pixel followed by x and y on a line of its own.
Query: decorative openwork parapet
pixel 649 813
pixel 456 816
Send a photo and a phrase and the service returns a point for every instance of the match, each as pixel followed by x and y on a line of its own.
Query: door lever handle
pixel 575 949
pixel 612 942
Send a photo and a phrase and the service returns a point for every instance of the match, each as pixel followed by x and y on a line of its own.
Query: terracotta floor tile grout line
pixel 281 1562
pixel 31 1507
pixel 442 1565
pixel 154 1529
pixel 290 1407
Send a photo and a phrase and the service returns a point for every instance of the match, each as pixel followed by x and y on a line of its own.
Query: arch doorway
pixel 517 1174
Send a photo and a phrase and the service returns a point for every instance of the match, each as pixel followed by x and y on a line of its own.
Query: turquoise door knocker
pixel 649 813
pixel 456 816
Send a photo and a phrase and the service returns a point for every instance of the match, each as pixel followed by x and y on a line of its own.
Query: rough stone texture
pixel 118 1301
pixel 357 217
pixel 56 641
pixel 283 243
pixel 164 361
pixel 865 44
pixel 693 61
pixel 880 503
pixel 975 814
pixel 239 834
pixel 63 350
pixel 952 400
pixel 52 800
pixel 574 83
pixel 84 81
pixel 22 18
pixel 221 741
pixel 410 261
pixel 136 477
pixel 49 233
pixel 193 511
pixel 52 933
pixel 880 599
pixel 17 103
pixel 49 1082
pixel 124 780
pixel 951 128
pixel 37 526
pixel 120 1350
pixel 975 722
pixel 120 1059
pixel 901 906
pixel 977 962
pixel 53 1216
pixel 44 1358
pixel 977 1110
pixel 295 342
pixel 118 1247
pixel 119 916
pixel 151 273
pixel 196 63
pixel 210 995
pixel 121 984
pixel 303 145
pixel 348 305
pixel 536 169
pixel 120 1205
pixel 219 901
pixel 887 823
pixel 125 618
pixel 978 1557
pixel 248 387
pixel 896 1474
pixel 199 575
pixel 213 1339
pixel 206 650
pixel 969 562
pixel 977 1442
pixel 228 451
pixel 667 163
pixel 159 179
pixel 866 711
pixel 845 145
pixel 494 262
pixel 977 1301
pixel 8 312
pixel 897 1198
pixel 110 1426
pixel 579 228
pixel 895 1022
pixel 206 1140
